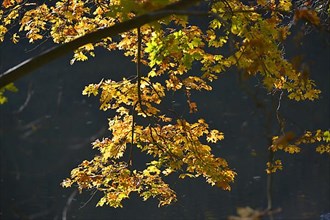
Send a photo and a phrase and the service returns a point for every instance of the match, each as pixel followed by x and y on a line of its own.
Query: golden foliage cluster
pixel 10 87
pixel 289 143
pixel 238 35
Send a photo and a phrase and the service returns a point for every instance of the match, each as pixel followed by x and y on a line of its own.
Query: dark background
pixel 43 140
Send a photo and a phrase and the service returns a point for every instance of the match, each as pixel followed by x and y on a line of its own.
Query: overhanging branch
pixel 33 63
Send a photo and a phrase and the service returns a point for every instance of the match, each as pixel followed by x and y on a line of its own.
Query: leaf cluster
pixel 289 143
pixel 246 37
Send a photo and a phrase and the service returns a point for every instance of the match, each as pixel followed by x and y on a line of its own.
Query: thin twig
pixel 280 119
pixel 93 193
pixel 138 75
pixel 27 100
pixel 138 66
pixel 68 203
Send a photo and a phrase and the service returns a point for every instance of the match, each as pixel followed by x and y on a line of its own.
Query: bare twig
pixel 138 66
pixel 68 203
pixel 280 119
pixel 138 75
pixel 90 198
pixel 27 100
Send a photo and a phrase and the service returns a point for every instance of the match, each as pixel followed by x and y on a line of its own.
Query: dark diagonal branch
pixel 31 64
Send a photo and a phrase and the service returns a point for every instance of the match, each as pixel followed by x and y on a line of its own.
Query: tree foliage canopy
pixel 178 56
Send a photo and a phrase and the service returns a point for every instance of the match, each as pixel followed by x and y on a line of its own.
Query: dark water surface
pixel 43 140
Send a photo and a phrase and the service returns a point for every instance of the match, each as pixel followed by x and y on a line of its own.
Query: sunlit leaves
pixel 3 31
pixel 256 55
pixel 289 143
pixel 196 83
pixel 11 88
pixel 176 148
pixel 80 53
pixel 326 136
pixel 10 3
pixel 179 58
pixel 214 136
pixel 111 148
pixel 323 149
pixel 236 26
pixel 175 52
pixel 124 93
pixel 285 5
pixel 272 167
pixel 257 49
pixel 176 145
pixel 117 182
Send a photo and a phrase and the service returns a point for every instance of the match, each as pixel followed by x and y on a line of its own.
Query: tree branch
pixel 138 75
pixel 31 64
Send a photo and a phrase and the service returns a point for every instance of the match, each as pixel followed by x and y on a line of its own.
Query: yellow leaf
pixel 215 136
pixel 285 5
